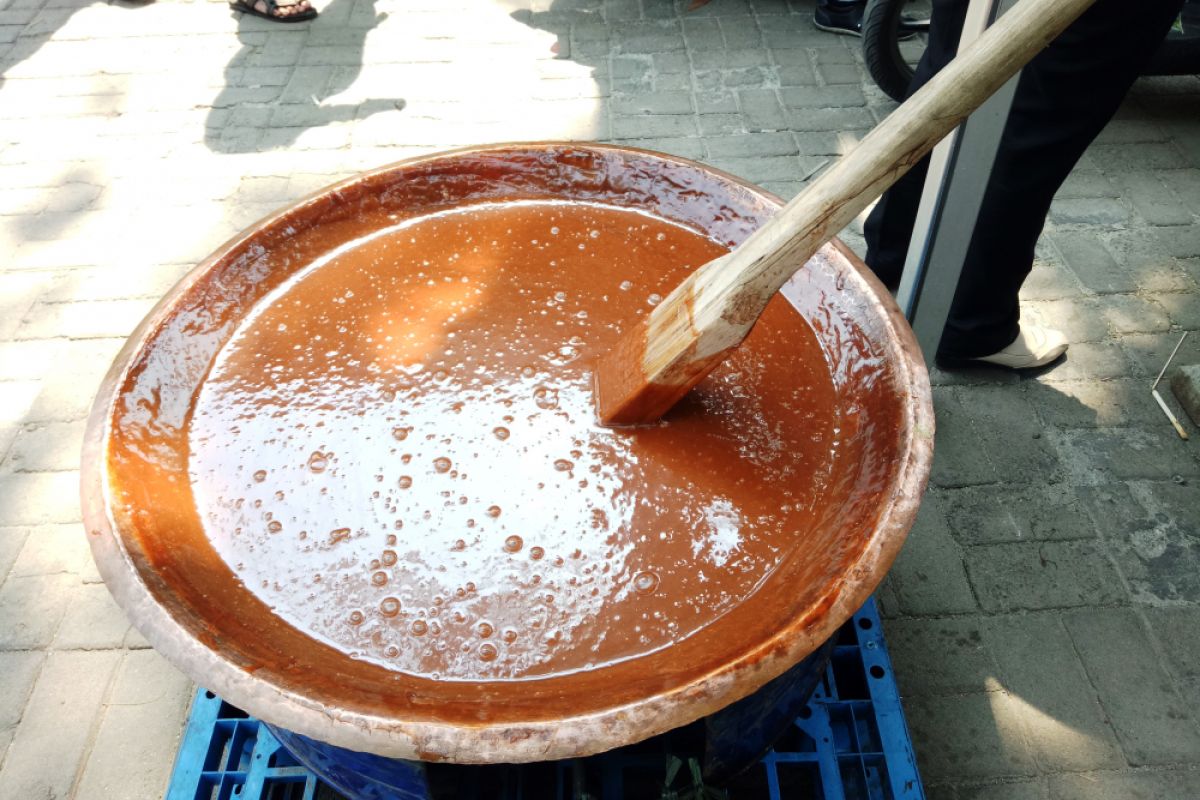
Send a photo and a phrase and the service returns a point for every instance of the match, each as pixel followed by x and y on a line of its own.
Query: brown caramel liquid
pixel 397 451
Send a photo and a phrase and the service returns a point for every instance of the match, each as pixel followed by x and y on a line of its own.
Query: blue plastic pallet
pixel 849 743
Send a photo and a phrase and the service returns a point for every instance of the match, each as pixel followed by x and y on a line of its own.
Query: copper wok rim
pixel 535 740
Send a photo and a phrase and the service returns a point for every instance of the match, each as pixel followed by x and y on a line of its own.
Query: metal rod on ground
pixel 1158 397
pixel 1170 358
pixel 1166 410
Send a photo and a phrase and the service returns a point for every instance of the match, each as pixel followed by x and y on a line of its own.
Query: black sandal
pixel 247 7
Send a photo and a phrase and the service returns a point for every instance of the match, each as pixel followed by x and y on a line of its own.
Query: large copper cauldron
pixel 143 523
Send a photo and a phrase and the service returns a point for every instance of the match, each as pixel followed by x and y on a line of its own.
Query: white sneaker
pixel 1033 347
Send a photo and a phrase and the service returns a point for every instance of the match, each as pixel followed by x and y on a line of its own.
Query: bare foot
pixel 278 10
pixel 282 10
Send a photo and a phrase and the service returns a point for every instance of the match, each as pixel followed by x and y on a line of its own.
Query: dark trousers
pixel 1064 98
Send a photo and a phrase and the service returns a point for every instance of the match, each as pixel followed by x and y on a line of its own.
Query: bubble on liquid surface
pixel 513 543
pixel 379 578
pixel 484 629
pixel 400 433
pixel 356 617
pixel 389 606
pixel 546 398
pixel 500 433
pixel 404 482
pixel 318 461
pixel 274 526
pixel 339 535
pixel 536 553
pixel 419 627
pixel 493 511
pixel 645 582
pixel 488 652
pixel 260 476
pixel 442 464
pixel 563 465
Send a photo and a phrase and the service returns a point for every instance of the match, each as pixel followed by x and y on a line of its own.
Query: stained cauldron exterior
pixel 255 666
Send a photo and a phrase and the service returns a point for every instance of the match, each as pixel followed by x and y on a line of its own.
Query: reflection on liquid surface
pixel 397 451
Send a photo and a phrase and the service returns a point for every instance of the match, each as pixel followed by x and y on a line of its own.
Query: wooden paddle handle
pixel 707 315
pixel 765 261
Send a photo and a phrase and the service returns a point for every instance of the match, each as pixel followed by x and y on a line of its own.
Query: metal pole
pixel 959 169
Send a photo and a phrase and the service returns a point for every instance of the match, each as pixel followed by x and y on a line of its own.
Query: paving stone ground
pixel 1044 618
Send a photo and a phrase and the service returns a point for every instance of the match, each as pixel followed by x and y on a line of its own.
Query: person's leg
pixel 840 16
pixel 1065 97
pixel 888 228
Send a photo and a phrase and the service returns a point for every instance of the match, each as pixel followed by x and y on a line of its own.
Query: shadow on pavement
pixel 302 104
pixel 39 26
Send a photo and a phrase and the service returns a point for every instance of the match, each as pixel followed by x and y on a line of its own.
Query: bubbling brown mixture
pixel 398 452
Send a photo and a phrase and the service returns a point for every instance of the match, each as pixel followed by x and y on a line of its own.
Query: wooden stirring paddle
pixel 712 311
